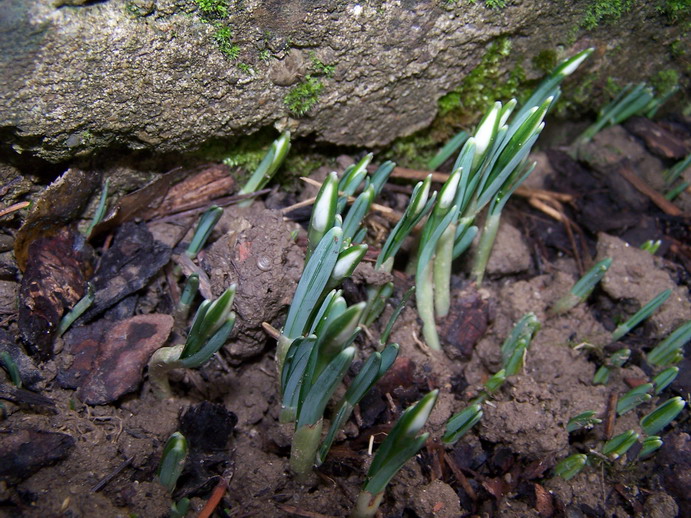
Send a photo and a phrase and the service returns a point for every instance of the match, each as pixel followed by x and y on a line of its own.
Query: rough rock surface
pixel 149 74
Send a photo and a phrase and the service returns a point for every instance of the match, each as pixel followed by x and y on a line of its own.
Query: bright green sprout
pixel 674 172
pixel 313 368
pixel 494 383
pixel 210 329
pixel 514 350
pixel 672 194
pixel 615 361
pixel 582 289
pixel 267 168
pixel 515 347
pixel 402 443
pixel 601 376
pixel 78 310
pixel 351 179
pixel 11 367
pixel 308 428
pixel 100 210
pixel 189 292
pixel 650 445
pixel 418 207
pixel 372 371
pixel 633 398
pixel 310 290
pixel 619 444
pixel 384 338
pixel 449 149
pixel 206 224
pixel 669 351
pixel 651 246
pixel 571 466
pixel 586 420
pixel 662 415
pixel 459 424
pixel 489 168
pixel 665 378
pixel 323 213
pixel 353 220
pixel 172 461
pixel 347 261
pixel 641 314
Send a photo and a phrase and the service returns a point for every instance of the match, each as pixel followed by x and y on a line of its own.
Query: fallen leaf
pixel 109 358
pixel 496 487
pixel 543 502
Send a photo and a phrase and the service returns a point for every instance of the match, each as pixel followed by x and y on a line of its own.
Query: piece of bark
pixel 657 139
pixel 54 281
pixel 109 358
pixel 171 194
pixel 58 205
pixel 132 205
pixel 465 324
pixel 24 452
pixel 126 267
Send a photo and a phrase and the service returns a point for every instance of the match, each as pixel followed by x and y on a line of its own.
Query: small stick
pixel 298 205
pixel 658 199
pixel 105 480
pixel 437 453
pixel 15 207
pixel 526 192
pixel 414 174
pixel 200 207
pixel 214 499
pixel 271 330
pixel 460 477
pixel 611 414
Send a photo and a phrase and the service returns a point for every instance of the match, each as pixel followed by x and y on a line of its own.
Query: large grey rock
pixel 147 74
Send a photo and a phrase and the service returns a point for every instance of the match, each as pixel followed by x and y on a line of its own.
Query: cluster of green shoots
pixel 316 343
pixel 632 100
pixel 662 360
pixel 489 168
pixel 315 346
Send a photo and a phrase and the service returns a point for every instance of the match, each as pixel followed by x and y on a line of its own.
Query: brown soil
pixel 501 468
